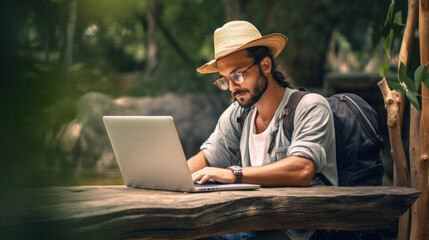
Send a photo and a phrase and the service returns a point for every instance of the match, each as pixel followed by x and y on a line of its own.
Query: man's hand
pixel 213 174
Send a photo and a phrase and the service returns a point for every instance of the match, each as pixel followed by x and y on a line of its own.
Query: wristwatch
pixel 237 172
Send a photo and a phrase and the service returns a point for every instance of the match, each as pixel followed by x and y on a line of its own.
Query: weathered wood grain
pixel 117 212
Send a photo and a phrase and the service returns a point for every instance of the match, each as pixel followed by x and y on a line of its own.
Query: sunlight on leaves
pixel 398 19
pixel 384 68
pixel 388 43
pixel 409 86
pixel 404 79
pixel 419 75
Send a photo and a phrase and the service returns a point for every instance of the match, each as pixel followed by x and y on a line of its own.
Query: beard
pixel 259 89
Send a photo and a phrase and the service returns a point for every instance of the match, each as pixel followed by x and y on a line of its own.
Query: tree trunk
pixel 152 46
pixel 404 57
pixel 414 155
pixel 232 9
pixel 71 25
pixel 393 103
pixel 169 37
pixel 268 17
pixel 423 201
pixel 414 123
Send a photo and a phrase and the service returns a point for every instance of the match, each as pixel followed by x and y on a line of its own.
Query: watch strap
pixel 237 171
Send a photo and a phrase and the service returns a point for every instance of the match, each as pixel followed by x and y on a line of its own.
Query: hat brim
pixel 275 42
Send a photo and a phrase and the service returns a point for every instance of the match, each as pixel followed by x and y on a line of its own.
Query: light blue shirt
pixel 313 136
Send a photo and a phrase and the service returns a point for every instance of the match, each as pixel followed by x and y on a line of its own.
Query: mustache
pixel 239 91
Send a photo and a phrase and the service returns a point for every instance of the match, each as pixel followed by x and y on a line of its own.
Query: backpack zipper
pixel 364 116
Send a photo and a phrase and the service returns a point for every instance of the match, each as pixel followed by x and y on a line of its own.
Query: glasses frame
pixel 237 77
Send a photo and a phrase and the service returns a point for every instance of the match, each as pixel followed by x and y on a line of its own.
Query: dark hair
pixel 260 52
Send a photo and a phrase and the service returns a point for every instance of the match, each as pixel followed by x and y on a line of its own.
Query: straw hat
pixel 238 35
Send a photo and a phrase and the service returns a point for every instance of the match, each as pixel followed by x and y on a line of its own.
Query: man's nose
pixel 233 86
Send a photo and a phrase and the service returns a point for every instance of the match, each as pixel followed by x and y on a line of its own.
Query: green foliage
pixel 388 25
pixel 408 85
pixel 388 43
pixel 403 83
pixel 384 68
pixel 394 83
pixel 47 69
pixel 393 23
pixel 421 76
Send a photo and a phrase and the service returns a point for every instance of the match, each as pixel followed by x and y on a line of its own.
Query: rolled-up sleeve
pixel 313 131
pixel 222 146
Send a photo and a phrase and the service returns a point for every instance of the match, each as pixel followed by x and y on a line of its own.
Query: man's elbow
pixel 307 175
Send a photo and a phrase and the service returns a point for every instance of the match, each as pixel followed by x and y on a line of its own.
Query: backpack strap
pixel 287 116
pixel 241 120
pixel 288 123
pixel 289 113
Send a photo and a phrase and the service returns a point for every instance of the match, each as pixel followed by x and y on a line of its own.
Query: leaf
pixel 413 99
pixel 384 68
pixel 394 84
pixel 426 80
pixel 389 14
pixel 398 19
pixel 425 77
pixel 419 75
pixel 402 74
pixel 388 43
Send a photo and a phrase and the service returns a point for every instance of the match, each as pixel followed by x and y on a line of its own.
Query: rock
pixel 83 143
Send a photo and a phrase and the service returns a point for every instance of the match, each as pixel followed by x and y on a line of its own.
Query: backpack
pixel 357 138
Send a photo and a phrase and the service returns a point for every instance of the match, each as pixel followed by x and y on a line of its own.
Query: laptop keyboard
pixel 206 185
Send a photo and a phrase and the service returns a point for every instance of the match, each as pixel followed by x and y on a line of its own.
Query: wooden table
pixel 118 212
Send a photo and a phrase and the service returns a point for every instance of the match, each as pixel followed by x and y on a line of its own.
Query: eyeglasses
pixel 237 77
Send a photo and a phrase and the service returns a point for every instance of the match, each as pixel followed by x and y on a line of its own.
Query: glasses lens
pixel 222 83
pixel 237 78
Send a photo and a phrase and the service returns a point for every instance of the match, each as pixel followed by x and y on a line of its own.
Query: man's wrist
pixel 238 173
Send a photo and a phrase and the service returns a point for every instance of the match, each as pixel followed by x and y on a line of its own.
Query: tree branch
pixel 392 103
pixel 152 46
pixel 153 11
pixel 71 25
pixel 404 57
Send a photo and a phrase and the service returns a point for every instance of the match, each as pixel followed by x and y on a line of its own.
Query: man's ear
pixel 266 65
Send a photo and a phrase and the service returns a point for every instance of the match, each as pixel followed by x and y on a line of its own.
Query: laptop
pixel 150 155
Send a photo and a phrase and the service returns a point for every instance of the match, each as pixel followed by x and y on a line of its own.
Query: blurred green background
pixel 55 52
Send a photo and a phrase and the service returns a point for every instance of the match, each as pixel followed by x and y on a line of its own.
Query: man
pixel 245 62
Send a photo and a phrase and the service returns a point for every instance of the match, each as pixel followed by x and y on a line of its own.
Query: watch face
pixel 236 168
pixel 237 172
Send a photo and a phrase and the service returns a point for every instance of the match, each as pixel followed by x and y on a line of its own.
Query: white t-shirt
pixel 258 144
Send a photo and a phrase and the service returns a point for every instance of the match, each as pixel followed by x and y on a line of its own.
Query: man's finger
pixel 196 176
pixel 205 178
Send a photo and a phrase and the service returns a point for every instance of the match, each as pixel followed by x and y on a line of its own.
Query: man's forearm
pixel 197 162
pixel 291 171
